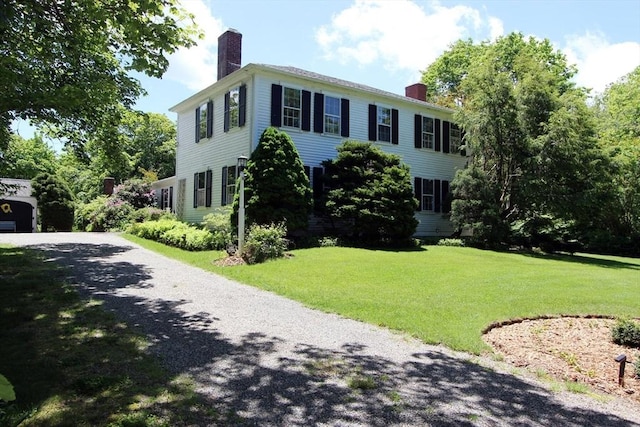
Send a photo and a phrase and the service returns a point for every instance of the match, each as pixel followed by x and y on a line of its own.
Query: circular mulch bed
pixel 569 349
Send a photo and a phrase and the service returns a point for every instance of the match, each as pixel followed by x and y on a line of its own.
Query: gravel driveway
pixel 273 362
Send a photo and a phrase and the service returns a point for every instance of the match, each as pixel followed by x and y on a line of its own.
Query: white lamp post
pixel 242 163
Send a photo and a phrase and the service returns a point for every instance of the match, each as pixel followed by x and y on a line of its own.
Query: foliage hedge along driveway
pixel 441 294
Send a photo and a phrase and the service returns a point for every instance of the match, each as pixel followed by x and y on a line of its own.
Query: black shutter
pixel 373 122
pixel 195 190
pixel 463 138
pixel 344 117
pixel 307 171
pixel 171 199
pixel 318 187
pixel 226 111
pixel 417 189
pixel 223 199
pixel 394 127
pixel 446 198
pixel 197 125
pixel 306 110
pixel 445 136
pixel 417 131
pixel 242 111
pixel 209 185
pixel 209 119
pixel 437 131
pixel 437 195
pixel 318 113
pixel 276 105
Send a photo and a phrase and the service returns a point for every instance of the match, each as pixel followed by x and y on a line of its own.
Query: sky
pixel 387 43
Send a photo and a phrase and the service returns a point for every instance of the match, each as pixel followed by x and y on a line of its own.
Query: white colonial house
pixel 225 121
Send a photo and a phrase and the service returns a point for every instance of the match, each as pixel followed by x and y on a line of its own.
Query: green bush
pixel 103 214
pixel 451 242
pixel 153 230
pixel 55 202
pixel 149 213
pixel 626 332
pixel 637 367
pixel 219 224
pixel 264 242
pixel 174 233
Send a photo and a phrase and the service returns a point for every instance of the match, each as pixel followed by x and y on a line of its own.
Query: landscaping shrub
pixel 174 233
pixel 637 367
pixel 149 213
pixel 103 214
pixel 451 242
pixel 219 224
pixel 55 202
pixel 626 332
pixel 135 192
pixel 264 242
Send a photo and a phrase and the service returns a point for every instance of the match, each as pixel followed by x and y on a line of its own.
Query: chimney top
pixel 229 52
pixel 416 91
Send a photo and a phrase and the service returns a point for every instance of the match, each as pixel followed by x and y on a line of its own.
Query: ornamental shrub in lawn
pixel 626 332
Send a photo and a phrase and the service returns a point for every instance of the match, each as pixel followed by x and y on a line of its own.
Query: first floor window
pixel 200 191
pixel 427 132
pixel 166 199
pixel 455 138
pixel 384 124
pixel 291 107
pixel 427 195
pixel 231 184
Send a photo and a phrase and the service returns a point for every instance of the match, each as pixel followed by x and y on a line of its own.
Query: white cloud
pixel 599 62
pixel 197 67
pixel 400 34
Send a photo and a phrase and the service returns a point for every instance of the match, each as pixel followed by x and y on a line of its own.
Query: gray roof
pixel 345 83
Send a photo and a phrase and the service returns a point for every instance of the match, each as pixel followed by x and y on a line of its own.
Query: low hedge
pixel 174 233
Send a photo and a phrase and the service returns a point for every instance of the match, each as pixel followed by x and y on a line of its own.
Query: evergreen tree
pixel 372 192
pixel 55 202
pixel 276 185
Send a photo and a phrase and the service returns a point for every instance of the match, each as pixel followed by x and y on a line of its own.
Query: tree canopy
pixel 26 158
pixel 533 143
pixel 67 64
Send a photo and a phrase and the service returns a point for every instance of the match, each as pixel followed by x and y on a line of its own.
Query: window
pixel 229 177
pixel 202 182
pixel 384 124
pixel 427 132
pixel 234 110
pixel 291 107
pixel 455 138
pixel 332 115
pixel 200 189
pixel 427 195
pixel 432 194
pixel 204 121
pixel 166 199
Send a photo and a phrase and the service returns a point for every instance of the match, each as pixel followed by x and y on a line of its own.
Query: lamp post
pixel 242 163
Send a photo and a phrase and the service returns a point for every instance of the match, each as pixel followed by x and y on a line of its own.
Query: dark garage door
pixel 19 212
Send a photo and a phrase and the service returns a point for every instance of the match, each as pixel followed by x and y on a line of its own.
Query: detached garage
pixel 18 208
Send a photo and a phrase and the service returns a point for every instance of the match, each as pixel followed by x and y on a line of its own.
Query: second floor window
pixel 202 121
pixel 234 110
pixel 291 107
pixel 427 132
pixel 384 124
pixel 455 138
pixel 332 115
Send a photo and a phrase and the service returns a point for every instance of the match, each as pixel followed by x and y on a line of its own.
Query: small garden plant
pixel 627 333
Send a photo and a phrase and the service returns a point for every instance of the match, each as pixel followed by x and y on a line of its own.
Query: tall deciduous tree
pixel 26 158
pixel 371 191
pixel 277 187
pixel 67 63
pixel 531 135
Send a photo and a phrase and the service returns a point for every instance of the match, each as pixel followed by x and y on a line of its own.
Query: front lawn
pixel 440 294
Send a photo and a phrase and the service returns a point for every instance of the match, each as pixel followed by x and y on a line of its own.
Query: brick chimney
pixel 229 52
pixel 416 91
pixel 107 186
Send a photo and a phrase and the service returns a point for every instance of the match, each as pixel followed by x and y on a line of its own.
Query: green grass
pixel 71 363
pixel 440 294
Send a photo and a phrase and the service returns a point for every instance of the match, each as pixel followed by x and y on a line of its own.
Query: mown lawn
pixel 73 364
pixel 440 294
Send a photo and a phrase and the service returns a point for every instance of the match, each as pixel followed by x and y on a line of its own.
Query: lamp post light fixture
pixel 242 164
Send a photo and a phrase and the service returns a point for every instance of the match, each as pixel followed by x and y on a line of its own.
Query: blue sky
pixel 386 43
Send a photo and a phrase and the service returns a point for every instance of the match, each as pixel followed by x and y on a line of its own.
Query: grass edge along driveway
pixel 440 295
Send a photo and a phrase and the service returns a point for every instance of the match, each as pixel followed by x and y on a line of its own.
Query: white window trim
pixel 285 117
pixel 326 115
pixel 425 133
pixel 378 124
